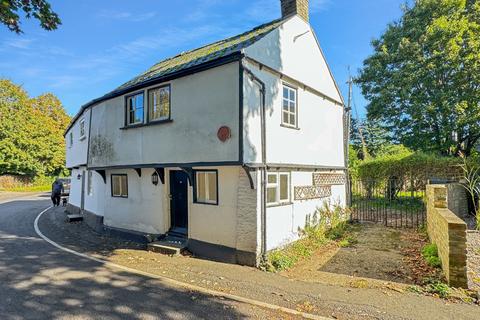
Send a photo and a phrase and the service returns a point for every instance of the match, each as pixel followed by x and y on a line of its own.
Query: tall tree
pixel 39 9
pixel 423 80
pixel 31 132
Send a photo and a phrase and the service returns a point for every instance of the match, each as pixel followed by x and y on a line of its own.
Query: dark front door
pixel 179 202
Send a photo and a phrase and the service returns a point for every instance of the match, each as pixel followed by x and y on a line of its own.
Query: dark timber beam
pixel 139 172
pixel 103 174
pixel 189 172
pixel 250 178
pixel 161 174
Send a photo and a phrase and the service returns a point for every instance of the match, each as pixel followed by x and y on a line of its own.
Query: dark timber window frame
pixel 169 117
pixel 195 184
pixel 128 98
pixel 121 191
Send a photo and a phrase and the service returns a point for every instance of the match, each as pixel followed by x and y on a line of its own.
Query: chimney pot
pixel 299 7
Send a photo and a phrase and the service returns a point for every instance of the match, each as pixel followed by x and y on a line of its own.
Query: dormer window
pixel 134 109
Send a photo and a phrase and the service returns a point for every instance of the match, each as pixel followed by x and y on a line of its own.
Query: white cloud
pixel 17 43
pixel 126 16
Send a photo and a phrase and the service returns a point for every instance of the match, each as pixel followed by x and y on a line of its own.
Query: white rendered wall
pixel 76 154
pixel 283 222
pixel 75 196
pixel 143 210
pixel 95 202
pixel 293 50
pixel 216 224
pixel 200 104
pixel 318 140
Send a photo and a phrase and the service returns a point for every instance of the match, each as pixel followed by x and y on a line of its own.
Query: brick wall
pixel 448 232
pixel 300 7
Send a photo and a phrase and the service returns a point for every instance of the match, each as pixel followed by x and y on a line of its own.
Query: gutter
pixel 263 166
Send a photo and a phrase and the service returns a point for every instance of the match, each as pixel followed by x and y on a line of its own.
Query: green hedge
pixel 407 165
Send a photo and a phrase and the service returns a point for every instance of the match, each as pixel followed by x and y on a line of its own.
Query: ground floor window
pixel 119 186
pixel 206 187
pixel 278 188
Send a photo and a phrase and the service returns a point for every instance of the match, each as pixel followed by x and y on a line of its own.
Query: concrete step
pixel 74 217
pixel 169 247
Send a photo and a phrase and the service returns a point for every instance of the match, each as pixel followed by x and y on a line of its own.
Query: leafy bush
pixel 437 287
pixel 430 254
pixel 471 183
pixel 26 184
pixel 326 224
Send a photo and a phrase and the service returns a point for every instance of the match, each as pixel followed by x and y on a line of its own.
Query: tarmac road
pixel 39 281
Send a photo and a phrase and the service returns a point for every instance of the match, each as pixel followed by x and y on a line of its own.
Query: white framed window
pixel 134 109
pixel 82 129
pixel 159 103
pixel 90 182
pixel 278 188
pixel 289 107
pixel 206 187
pixel 119 185
pixel 70 139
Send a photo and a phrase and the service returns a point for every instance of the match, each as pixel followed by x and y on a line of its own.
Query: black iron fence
pixel 394 202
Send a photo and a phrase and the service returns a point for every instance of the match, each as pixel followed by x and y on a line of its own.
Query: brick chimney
pixel 291 7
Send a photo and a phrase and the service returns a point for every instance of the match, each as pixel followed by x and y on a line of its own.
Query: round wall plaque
pixel 224 133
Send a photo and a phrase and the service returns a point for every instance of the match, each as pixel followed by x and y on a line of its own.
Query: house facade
pixel 230 146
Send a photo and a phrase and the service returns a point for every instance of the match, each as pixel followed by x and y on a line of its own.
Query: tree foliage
pixel 39 9
pixel 423 80
pixel 376 138
pixel 31 132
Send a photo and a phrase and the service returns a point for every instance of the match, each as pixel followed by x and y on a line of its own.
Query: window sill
pixel 141 125
pixel 289 127
pixel 283 204
pixel 206 203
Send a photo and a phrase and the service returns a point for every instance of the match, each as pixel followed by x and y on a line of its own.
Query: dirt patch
pixel 380 253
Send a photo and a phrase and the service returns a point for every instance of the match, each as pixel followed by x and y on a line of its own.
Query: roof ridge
pixel 218 42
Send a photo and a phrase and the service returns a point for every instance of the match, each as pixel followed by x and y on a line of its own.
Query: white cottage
pixel 229 147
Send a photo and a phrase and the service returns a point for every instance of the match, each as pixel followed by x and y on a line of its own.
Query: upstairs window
pixel 278 188
pixel 119 185
pixel 70 139
pixel 159 104
pixel 289 107
pixel 206 187
pixel 135 109
pixel 82 129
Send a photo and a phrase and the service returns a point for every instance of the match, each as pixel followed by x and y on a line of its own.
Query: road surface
pixel 39 281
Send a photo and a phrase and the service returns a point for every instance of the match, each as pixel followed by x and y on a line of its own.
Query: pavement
pixel 39 281
pixel 38 275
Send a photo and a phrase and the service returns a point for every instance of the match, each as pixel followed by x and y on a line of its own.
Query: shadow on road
pixel 40 281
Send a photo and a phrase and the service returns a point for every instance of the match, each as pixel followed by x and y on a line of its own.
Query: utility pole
pixel 360 130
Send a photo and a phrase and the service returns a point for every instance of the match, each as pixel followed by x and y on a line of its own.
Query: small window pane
pixel 292 95
pixel 272 195
pixel 124 187
pixel 285 92
pixel 135 109
pixel 272 178
pixel 119 186
pixel 116 186
pixel 159 105
pixel 212 187
pixel 201 190
pixel 292 119
pixel 284 187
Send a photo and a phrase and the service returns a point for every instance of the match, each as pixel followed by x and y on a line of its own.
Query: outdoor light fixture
pixel 155 178
pixel 79 176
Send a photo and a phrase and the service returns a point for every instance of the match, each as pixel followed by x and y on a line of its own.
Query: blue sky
pixel 102 44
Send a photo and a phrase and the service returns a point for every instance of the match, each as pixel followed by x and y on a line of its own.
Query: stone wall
pixel 448 232
pixel 473 259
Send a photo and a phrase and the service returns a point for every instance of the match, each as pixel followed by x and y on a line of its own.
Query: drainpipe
pixel 263 168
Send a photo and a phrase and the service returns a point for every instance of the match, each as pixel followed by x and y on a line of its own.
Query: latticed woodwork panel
pixel 312 192
pixel 330 179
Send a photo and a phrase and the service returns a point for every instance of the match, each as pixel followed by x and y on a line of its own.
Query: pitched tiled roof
pixel 204 54
pixel 187 60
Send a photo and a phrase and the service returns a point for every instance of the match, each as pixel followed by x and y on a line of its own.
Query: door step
pixel 74 217
pixel 170 246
